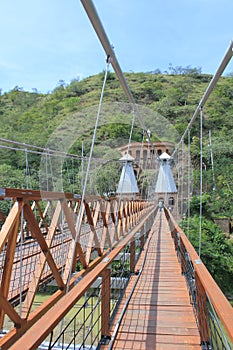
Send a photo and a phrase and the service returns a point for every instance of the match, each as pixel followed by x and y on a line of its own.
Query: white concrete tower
pixel 127 186
pixel 165 188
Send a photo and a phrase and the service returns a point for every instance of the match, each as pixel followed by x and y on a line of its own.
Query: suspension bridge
pixel 121 272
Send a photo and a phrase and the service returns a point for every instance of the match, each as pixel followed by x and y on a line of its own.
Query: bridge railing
pixel 39 237
pixel 213 311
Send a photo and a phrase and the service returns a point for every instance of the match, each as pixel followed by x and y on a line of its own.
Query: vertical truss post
pixel 202 313
pixel 8 265
pixel 132 255
pixel 8 235
pixel 105 303
pixel 147 227
pixel 142 238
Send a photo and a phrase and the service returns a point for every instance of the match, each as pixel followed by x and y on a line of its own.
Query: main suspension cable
pixel 131 132
pixel 226 59
pixel 201 160
pixel 189 182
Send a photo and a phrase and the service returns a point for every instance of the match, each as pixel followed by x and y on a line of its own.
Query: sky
pixel 44 41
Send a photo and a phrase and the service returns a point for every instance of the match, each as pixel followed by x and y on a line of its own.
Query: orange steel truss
pixel 41 235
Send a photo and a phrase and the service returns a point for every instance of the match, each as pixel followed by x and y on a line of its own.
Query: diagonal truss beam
pixel 8 265
pixel 71 224
pixel 9 310
pixel 10 223
pixel 74 246
pixel 93 235
pixel 44 256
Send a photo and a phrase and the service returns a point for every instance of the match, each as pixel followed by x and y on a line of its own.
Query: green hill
pixel 175 97
pixel 32 118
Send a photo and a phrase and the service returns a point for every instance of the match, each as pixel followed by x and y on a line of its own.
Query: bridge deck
pixel 159 315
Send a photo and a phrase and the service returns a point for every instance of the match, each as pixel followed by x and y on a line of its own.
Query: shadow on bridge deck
pixel 159 314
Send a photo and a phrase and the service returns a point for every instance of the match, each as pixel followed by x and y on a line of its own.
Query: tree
pixel 216 251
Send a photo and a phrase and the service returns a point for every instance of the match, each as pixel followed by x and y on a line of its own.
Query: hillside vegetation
pixel 32 117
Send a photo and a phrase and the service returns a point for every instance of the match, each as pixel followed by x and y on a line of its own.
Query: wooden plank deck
pixel 159 315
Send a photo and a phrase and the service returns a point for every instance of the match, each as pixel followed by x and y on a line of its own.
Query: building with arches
pixel 145 153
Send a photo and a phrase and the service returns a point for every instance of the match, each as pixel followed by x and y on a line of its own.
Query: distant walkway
pixel 159 315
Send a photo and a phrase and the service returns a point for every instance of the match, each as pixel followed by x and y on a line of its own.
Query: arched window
pixel 171 201
pixel 144 154
pixel 159 152
pixel 137 155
